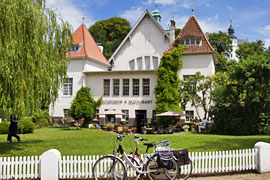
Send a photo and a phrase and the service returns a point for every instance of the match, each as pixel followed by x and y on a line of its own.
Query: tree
pixel 33 63
pixel 110 33
pixel 242 98
pixel 167 88
pixel 223 45
pixel 221 42
pixel 83 105
pixel 177 31
pixel 196 90
pixel 249 49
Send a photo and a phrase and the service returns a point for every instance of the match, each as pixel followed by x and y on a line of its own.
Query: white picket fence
pixel 19 167
pixel 81 166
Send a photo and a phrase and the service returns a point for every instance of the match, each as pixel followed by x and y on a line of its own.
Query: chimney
pixel 172 31
pixel 100 47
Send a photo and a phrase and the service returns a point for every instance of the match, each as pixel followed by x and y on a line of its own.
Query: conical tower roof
pixel 192 29
pixel 89 47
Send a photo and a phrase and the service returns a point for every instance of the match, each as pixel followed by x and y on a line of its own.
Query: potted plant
pixel 110 126
pixel 186 127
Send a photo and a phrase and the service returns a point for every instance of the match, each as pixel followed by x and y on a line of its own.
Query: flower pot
pixel 185 130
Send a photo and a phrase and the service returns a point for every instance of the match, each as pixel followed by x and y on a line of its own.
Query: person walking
pixel 13 129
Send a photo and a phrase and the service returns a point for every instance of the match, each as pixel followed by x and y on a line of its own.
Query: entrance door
pixel 140 119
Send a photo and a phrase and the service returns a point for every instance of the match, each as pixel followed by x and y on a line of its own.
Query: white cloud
pixel 133 14
pixel 165 2
pixel 267 43
pixel 229 7
pixel 162 2
pixel 211 26
pixel 70 12
pixel 264 30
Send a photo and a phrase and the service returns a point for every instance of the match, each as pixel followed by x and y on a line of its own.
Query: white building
pixel 235 43
pixel 129 86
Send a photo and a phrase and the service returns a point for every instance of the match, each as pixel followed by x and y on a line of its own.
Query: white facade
pixel 75 71
pixel 137 58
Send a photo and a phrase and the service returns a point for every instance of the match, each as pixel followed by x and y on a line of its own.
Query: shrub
pixel 25 126
pixel 4 127
pixel 42 118
pixel 186 127
pixel 110 126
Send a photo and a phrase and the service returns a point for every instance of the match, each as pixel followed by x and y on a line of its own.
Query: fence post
pixel 263 157
pixel 49 165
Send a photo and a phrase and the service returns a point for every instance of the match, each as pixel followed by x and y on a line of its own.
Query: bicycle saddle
pixel 149 144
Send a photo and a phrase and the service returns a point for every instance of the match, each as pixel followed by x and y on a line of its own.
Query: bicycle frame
pixel 136 168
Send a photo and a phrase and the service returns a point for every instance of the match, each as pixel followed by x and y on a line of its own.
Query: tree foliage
pixel 249 49
pixel 223 46
pixel 110 33
pixel 83 105
pixel 221 42
pixel 33 63
pixel 242 98
pixel 196 90
pixel 167 88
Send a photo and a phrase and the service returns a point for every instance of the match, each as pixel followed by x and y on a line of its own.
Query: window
pixel 68 86
pixel 139 63
pixel 182 42
pixel 116 87
pixel 66 115
pixel 106 87
pixel 146 87
pixel 136 87
pixel 147 62
pixel 155 62
pixel 187 77
pixel 125 87
pixel 198 42
pixel 126 114
pixel 190 115
pixel 192 42
pixel 131 65
pixel 187 42
pixel 154 117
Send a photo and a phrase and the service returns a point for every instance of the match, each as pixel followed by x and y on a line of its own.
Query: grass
pixel 97 142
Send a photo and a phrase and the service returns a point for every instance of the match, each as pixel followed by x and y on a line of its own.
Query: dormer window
pixel 76 47
pixel 193 42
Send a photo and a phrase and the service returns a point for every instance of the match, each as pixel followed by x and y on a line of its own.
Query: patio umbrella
pixel 110 112
pixel 171 113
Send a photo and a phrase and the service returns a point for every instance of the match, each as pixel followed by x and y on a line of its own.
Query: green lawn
pixel 97 142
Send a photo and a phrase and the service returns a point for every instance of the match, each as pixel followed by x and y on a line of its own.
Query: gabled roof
pixel 192 29
pixel 89 47
pixel 146 13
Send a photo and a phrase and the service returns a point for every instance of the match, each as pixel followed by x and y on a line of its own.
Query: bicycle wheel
pixel 109 167
pixel 160 173
pixel 185 170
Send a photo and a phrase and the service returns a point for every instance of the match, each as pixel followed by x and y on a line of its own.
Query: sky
pixel 250 18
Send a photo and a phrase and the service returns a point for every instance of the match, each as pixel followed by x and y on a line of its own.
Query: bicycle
pixel 117 170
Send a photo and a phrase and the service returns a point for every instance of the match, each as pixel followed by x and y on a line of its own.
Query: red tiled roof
pixel 89 48
pixel 192 29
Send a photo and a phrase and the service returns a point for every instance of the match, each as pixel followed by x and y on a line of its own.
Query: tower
pixel 156 15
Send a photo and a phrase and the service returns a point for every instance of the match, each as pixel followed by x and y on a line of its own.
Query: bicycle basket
pixel 165 159
pixel 182 156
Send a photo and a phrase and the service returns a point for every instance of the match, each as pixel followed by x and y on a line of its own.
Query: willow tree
pixel 33 63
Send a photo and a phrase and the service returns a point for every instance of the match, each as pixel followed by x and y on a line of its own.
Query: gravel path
pixel 249 176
